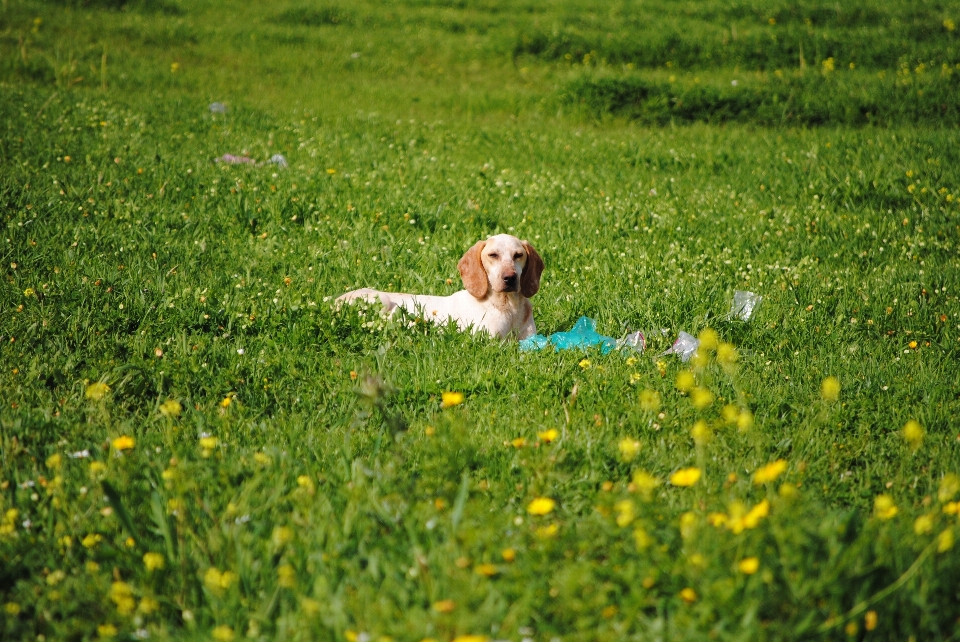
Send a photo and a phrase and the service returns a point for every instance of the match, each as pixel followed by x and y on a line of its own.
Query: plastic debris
pixel 279 161
pixel 744 304
pixel 684 346
pixel 218 108
pixel 235 160
pixel 583 334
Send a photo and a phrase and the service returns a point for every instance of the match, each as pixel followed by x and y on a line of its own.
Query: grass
pixel 195 443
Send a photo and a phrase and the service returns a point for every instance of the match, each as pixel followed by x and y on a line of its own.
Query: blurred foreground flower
pixel 688 595
pixel 913 433
pixel 830 389
pixel 97 391
pixel 884 508
pixel 171 408
pixel 548 435
pixel 222 633
pixel 650 400
pixel 628 448
pixel 153 561
pixel 769 472
pixel 450 399
pixel 685 477
pixel 123 442
pixel 541 506
pixel 949 487
pixel 749 565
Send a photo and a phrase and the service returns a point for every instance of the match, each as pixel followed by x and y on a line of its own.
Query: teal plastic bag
pixel 583 335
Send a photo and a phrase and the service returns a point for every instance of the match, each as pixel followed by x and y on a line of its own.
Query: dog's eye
pixel 494 255
pixel 518 256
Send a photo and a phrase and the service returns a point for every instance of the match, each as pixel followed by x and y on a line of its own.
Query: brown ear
pixel 472 272
pixel 530 277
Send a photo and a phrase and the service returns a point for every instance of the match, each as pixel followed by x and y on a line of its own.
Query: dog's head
pixel 502 263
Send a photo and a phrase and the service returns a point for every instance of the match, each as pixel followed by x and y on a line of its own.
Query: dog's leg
pixel 371 296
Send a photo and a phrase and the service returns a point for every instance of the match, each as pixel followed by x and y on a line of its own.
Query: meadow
pixel 196 444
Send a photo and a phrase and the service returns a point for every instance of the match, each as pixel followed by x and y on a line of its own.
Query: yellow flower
pixel 830 389
pixel 749 565
pixel 519 442
pixel 688 595
pixel 471 638
pixel 281 535
pixel 286 576
pixel 310 606
pixel 546 532
pixel 913 433
pixel 744 420
pixel 701 398
pixel 709 340
pixel 685 477
pixel 730 413
pixel 486 570
pixel 828 65
pixel 584 363
pixel 29 292
pixel 945 541
pixel 884 508
pixel 153 561
pixel 106 630
pixel 450 399
pixel 97 391
pixel 222 633
pixel 208 442
pixel 218 581
pixel 642 538
pixel 54 461
pixel 645 482
pixel 444 606
pixel 226 401
pixel 717 519
pixel 769 472
pixel 752 518
pixel 701 432
pixel 685 381
pixel 726 354
pixel 171 408
pixel 508 554
pixel 870 620
pixel 923 524
pixel 261 458
pixel 122 595
pixel 304 482
pixel 650 400
pixel 12 609
pixel 628 448
pixel 148 605
pixel 91 540
pixel 541 506
pixel 688 524
pixel 949 487
pixel 123 442
pixel 625 512
pixel 548 435
pixel 951 508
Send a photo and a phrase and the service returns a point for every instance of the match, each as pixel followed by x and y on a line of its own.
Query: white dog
pixel 499 274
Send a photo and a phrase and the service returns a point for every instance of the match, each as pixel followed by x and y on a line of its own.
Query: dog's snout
pixel 511 281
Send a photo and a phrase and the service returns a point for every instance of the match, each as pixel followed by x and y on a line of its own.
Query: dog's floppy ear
pixel 530 277
pixel 472 272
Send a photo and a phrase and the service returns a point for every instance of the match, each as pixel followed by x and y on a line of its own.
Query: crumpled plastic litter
pixel 684 347
pixel 583 334
pixel 744 304
pixel 279 161
pixel 218 108
pixel 235 160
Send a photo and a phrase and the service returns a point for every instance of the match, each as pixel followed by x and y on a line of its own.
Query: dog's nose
pixel 510 281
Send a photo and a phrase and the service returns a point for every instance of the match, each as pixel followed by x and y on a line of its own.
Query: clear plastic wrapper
pixel 744 305
pixel 279 161
pixel 235 160
pixel 218 108
pixel 684 347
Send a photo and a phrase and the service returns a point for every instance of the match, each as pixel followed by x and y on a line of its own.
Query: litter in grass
pixel 684 346
pixel 744 304
pixel 279 161
pixel 235 160
pixel 584 335
pixel 218 108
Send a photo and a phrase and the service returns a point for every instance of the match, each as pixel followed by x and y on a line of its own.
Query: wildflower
pixel 642 538
pixel 748 565
pixel 870 620
pixel 726 354
pixel 688 525
pixel 54 461
pixel 518 442
pixel 106 630
pixel 730 413
pixel 450 399
pixel 884 508
pixel 688 595
pixel 949 487
pixel 153 561
pixel 541 506
pixel 148 605
pixel 828 65
pixel 685 477
pixel 625 512
pixel 628 448
pixel 752 518
pixel 851 629
pixel 923 524
pixel 226 401
pixel 584 363
pixel 261 458
pixel 717 519
pixel 913 433
pixel 645 482
pixel 769 472
pixel 701 433
pixel 709 339
pixel 951 508
pixel 945 541
pixel 217 581
pixel 546 532
pixel 91 540
pixel 12 609
pixel 508 554
pixel 222 633
pixel 310 607
pixel 286 576
pixel 123 442
pixel 701 398
pixel 444 606
pixel 635 378
pixel 662 368
pixel 685 381
pixel 304 482
pixel 744 420
pixel 830 389
pixel 650 400
pixel 96 391
pixel 486 570
pixel 548 435
pixel 122 595
pixel 787 491
pixel 471 638
pixel 171 408
pixel 281 535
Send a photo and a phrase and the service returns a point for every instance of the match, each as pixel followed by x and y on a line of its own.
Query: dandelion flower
pixel 208 442
pixel 749 565
pixel 584 363
pixel 830 389
pixel 54 461
pixel 628 448
pixel 286 576
pixel 106 630
pixel 541 506
pixel 744 420
pixel 884 508
pixel 645 482
pixel 123 442
pixel 508 554
pixel 913 433
pixel 153 561
pixel 726 354
pixel 547 532
pixel 870 620
pixel 769 472
pixel 688 595
pixel 444 606
pixel 471 638
pixel 709 340
pixel 688 524
pixel 12 609
pixel 450 399
pixel 122 595
pixel 97 391
pixel 753 517
pixel 626 512
pixel 685 477
pixel 222 633
pixel 949 487
pixel 685 381
pixel 171 408
pixel 548 435
pixel 945 541
pixel 642 539
pixel 701 398
pixel 281 535
pixel 730 413
pixel 650 400
pixel 923 524
pixel 486 570
pixel 701 433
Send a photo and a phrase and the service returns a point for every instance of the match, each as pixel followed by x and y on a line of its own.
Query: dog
pixel 500 275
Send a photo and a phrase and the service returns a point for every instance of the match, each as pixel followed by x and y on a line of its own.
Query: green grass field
pixel 195 444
